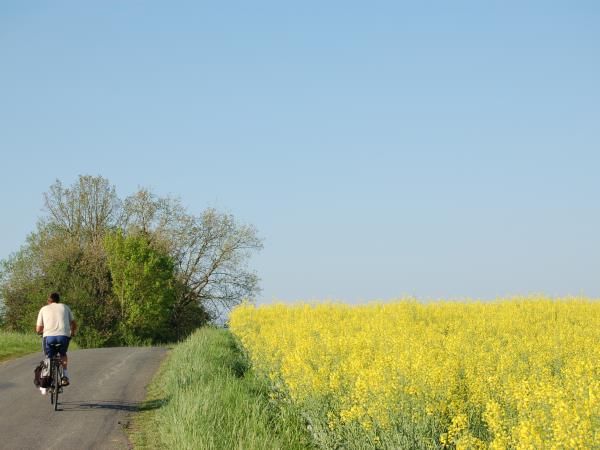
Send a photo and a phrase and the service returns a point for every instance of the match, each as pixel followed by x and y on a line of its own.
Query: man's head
pixel 54 298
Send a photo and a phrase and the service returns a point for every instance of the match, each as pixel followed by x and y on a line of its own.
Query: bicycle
pixel 56 372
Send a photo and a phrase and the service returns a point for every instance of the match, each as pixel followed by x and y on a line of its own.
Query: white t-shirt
pixel 56 319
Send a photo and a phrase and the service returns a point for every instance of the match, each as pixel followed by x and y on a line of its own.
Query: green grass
pixel 205 397
pixel 13 344
pixel 16 344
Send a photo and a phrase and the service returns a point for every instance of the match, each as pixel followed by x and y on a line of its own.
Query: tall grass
pixel 14 344
pixel 205 397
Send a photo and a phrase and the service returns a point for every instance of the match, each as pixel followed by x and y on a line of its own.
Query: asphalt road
pixel 107 385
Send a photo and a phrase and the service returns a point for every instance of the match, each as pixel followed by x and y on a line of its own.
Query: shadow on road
pixel 109 404
pixel 99 404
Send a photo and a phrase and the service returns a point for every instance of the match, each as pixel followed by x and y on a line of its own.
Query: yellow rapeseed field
pixel 516 373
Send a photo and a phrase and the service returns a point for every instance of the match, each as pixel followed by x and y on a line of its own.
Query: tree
pixel 86 210
pixel 210 251
pixel 143 282
pixel 54 261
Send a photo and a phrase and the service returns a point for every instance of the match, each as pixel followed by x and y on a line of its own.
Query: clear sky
pixel 436 149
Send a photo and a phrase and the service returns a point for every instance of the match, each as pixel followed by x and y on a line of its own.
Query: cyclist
pixel 56 322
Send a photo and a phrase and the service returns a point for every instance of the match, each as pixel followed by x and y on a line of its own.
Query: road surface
pixel 107 385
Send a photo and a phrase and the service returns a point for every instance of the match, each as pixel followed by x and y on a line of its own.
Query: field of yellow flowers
pixel 516 373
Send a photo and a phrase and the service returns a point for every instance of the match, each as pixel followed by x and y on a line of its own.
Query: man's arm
pixel 39 324
pixel 73 328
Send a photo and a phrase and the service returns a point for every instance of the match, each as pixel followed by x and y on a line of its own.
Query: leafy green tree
pixel 143 282
pixel 210 252
pixel 52 261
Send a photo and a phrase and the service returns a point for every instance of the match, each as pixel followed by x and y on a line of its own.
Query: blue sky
pixel 435 149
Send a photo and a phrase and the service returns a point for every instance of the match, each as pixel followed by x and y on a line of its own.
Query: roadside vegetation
pixel 206 397
pixel 13 344
pixel 518 373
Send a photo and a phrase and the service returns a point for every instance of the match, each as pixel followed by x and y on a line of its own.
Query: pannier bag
pixel 41 374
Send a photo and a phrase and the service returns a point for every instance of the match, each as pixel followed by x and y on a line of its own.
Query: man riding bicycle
pixel 56 322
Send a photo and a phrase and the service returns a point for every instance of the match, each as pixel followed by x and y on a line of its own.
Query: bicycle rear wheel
pixel 57 384
pixel 51 387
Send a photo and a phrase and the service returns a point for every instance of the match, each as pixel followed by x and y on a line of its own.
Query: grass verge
pixel 204 396
pixel 14 344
